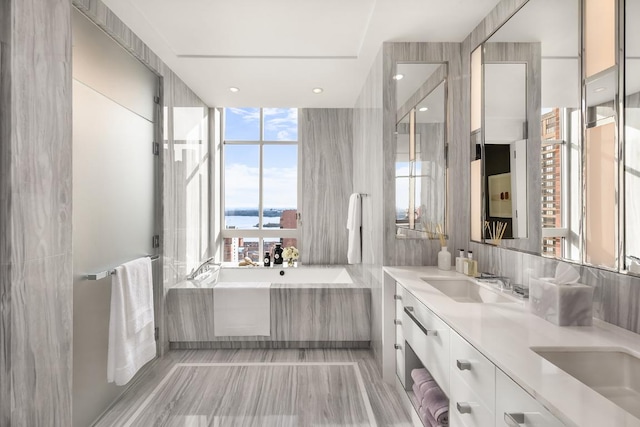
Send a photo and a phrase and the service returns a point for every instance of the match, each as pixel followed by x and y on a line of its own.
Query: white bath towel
pixel 242 309
pixel 354 222
pixel 131 328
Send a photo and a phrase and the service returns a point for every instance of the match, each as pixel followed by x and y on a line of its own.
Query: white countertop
pixel 504 333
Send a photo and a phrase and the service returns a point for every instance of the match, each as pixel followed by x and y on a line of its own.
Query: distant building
pixel 289 220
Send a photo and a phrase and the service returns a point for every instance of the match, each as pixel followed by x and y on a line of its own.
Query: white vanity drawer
pixel 465 406
pixel 474 369
pixel 428 336
pixel 516 408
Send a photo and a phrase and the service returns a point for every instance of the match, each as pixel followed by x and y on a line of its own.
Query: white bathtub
pixel 301 275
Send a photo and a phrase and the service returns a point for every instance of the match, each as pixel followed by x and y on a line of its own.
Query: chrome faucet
pixel 503 281
pixel 202 268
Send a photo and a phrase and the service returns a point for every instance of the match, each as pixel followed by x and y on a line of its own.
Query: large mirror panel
pixel 632 137
pixel 420 150
pixel 538 48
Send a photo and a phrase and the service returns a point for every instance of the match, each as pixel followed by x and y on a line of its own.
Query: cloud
pixel 241 187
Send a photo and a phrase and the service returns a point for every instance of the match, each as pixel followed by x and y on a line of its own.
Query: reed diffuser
pixel 444 256
pixel 495 230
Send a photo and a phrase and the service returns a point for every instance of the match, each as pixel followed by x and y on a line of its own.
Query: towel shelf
pixel 103 274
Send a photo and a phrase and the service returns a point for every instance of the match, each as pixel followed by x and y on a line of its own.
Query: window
pixel 260 181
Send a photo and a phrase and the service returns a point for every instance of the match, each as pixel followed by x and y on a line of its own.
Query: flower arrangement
pixel 290 253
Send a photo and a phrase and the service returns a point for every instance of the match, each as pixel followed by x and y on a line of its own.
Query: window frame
pixel 261 233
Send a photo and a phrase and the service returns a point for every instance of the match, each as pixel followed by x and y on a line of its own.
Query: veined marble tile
pixel 326 147
pixel 385 402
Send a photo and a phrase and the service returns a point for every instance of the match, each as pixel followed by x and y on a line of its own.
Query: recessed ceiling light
pixel 600 89
pixel 398 77
pixel 234 89
pixel 317 90
pixel 423 108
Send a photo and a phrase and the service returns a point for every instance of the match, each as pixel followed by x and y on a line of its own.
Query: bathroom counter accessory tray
pixel 103 274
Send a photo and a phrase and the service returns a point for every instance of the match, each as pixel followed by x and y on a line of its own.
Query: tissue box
pixel 565 305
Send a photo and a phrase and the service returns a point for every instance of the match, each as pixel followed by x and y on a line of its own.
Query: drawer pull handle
pixel 397 322
pixel 427 332
pixel 514 419
pixel 397 297
pixel 463 365
pixel 463 408
pixel 397 346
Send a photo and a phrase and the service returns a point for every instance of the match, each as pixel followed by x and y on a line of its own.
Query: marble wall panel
pixel 326 152
pixel 35 213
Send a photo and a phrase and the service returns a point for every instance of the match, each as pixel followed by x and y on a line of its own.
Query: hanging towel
pixel 354 222
pixel 242 309
pixel 131 328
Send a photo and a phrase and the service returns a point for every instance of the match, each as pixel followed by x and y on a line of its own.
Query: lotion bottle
pixel 460 260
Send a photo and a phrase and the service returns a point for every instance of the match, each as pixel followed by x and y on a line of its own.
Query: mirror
pixel 632 138
pixel 420 150
pixel 526 85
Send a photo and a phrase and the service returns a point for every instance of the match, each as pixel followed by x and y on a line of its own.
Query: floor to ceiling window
pixel 260 181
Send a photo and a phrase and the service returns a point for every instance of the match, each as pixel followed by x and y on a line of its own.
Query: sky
pixel 242 161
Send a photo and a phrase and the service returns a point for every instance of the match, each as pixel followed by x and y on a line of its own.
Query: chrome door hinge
pixel 155 241
pixel 156 100
pixel 156 148
pixel 156 333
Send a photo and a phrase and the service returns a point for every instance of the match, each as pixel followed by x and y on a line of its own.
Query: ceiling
pixel 277 51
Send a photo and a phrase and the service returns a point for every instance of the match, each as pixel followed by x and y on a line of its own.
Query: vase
pixel 444 259
pixel 290 262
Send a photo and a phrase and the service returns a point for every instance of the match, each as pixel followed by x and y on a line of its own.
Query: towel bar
pixel 103 274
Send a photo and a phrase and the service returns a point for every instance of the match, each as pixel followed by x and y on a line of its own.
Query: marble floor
pixel 259 388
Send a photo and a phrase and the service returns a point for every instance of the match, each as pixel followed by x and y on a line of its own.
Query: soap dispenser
pixel 470 266
pixel 277 254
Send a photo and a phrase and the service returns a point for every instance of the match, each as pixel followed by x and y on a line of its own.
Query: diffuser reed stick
pixel 441 236
pixel 495 230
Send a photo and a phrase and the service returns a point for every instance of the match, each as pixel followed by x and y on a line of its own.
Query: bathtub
pixel 311 307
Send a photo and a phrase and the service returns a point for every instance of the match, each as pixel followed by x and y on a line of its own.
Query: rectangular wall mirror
pixel 421 150
pixel 537 47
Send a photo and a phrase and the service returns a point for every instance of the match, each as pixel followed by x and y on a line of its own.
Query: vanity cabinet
pixel 515 407
pixel 473 384
pixel 480 394
pixel 428 337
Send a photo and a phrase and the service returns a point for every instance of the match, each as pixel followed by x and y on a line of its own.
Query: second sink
pixel 615 374
pixel 466 291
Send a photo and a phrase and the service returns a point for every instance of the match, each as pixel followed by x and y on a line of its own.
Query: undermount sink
pixel 615 374
pixel 466 291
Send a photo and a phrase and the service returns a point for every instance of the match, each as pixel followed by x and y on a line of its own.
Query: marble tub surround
pixel 305 314
pixel 505 334
pixel 384 400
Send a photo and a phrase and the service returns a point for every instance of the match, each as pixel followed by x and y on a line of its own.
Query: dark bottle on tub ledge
pixel 277 254
pixel 267 259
